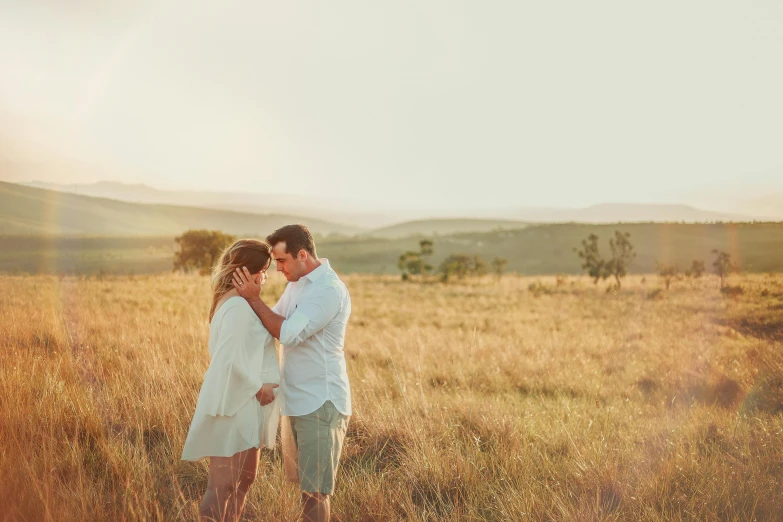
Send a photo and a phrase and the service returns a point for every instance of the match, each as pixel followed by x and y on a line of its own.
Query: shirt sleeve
pixel 317 308
pixel 280 305
pixel 271 371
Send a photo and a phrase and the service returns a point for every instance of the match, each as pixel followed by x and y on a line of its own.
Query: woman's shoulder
pixel 240 313
pixel 233 309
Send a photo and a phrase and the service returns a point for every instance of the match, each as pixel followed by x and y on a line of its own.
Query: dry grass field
pixel 481 400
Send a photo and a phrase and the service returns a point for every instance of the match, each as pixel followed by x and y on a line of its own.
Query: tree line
pixel 416 263
pixel 199 251
pixel 622 254
pixel 597 267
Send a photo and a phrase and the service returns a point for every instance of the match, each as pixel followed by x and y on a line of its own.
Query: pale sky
pixel 449 103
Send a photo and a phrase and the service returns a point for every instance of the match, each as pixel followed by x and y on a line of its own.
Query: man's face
pixel 292 267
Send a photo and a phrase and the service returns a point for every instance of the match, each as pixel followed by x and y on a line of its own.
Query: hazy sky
pixel 447 102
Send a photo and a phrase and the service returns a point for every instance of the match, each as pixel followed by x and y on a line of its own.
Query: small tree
pixel 415 263
pixel 598 268
pixel 723 265
pixel 200 250
pixel 459 265
pixel 425 251
pixel 591 259
pixel 696 270
pixel 667 273
pixel 410 263
pixel 478 267
pixel 499 265
pixel 622 255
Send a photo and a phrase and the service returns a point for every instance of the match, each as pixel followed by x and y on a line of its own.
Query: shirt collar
pixel 319 272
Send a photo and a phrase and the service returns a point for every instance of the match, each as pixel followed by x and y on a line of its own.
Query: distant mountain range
pixel 359 217
pixel 125 241
pixel 248 202
pixel 627 213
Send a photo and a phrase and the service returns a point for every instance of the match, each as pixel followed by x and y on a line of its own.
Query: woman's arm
pixel 233 376
pixel 270 375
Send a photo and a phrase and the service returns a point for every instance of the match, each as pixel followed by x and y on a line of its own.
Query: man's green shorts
pixel 319 441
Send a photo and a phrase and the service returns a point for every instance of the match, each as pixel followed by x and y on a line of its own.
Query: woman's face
pixel 260 277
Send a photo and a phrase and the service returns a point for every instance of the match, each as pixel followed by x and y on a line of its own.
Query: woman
pixel 236 413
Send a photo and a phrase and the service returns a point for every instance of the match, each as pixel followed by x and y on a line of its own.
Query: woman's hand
pixel 266 394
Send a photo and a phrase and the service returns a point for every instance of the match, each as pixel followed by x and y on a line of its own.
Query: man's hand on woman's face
pixel 245 284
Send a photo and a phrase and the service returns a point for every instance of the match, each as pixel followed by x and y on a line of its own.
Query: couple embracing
pixel 240 405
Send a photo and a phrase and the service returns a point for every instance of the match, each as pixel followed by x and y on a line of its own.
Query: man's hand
pixel 246 287
pixel 251 291
pixel 265 395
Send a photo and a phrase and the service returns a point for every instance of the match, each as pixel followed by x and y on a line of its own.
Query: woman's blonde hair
pixel 250 253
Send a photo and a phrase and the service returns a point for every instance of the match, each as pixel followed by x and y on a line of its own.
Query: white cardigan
pixel 228 417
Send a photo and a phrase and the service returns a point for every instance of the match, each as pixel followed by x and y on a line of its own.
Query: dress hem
pixel 193 459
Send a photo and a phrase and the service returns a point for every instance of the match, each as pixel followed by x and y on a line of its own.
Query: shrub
pixel 668 273
pixel 696 270
pixel 732 291
pixel 538 289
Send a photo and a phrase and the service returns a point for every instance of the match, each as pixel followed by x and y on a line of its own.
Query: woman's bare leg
pixel 219 489
pixel 226 475
pixel 247 475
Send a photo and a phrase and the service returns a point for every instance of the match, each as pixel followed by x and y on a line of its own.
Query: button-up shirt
pixel 316 310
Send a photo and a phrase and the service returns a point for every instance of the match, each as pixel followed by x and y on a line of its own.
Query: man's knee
pixel 314 498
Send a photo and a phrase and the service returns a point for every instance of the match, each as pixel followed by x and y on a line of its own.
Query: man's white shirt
pixel 316 310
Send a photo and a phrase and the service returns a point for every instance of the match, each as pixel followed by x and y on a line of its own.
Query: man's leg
pixel 316 507
pixel 319 438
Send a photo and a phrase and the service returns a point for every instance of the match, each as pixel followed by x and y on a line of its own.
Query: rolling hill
pixel 34 211
pixel 535 250
pixel 441 227
pixel 548 249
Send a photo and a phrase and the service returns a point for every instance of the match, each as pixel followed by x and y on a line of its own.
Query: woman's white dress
pixel 228 417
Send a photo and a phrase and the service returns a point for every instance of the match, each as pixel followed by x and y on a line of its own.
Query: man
pixel 309 320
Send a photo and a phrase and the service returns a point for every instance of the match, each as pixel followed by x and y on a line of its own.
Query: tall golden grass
pixel 483 400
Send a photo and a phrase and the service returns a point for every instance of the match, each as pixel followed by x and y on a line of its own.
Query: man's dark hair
pixel 296 238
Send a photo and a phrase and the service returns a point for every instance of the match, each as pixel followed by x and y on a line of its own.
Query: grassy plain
pixel 480 400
